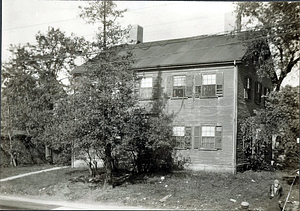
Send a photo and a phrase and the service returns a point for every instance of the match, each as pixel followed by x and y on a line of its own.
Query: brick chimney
pixel 135 35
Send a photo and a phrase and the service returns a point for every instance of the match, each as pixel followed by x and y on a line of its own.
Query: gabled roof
pixel 188 51
pixel 200 50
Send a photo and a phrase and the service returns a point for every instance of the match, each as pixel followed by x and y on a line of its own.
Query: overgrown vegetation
pixel 276 27
pixel 279 119
pixel 188 190
pixel 97 116
pixel 30 88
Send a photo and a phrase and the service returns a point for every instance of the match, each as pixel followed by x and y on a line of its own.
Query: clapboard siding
pixel 206 111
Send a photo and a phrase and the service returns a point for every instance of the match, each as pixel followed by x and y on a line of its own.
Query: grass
pixel 188 190
pixel 8 172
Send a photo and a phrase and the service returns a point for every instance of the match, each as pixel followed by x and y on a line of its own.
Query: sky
pixel 161 20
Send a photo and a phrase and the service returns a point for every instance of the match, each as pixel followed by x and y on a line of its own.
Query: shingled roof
pixel 188 51
pixel 200 50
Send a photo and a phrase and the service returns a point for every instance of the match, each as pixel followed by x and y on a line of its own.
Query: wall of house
pixel 194 112
pixel 246 107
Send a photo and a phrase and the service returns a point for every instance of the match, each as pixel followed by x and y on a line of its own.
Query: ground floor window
pixel 208 137
pixel 183 136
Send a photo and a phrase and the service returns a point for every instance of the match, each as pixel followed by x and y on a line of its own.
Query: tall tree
pixel 277 26
pixel 31 85
pixel 106 15
pixel 104 98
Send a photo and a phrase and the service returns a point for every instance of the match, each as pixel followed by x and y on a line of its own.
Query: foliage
pixel 30 83
pixel 277 26
pixel 279 118
pixel 150 142
pixel 105 13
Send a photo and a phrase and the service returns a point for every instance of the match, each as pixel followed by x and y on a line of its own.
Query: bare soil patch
pixel 185 189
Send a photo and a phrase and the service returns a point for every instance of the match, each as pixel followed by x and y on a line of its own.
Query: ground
pixel 186 189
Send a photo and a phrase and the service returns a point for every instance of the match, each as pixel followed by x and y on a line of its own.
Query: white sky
pixel 22 19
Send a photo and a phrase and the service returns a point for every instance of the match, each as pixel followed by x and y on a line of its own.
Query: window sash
pixel 179 91
pixel 208 131
pixel 209 90
pixel 179 81
pixel 147 82
pixel 208 142
pixel 178 131
pixel 209 79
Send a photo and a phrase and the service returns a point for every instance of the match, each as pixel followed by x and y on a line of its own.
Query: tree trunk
pixel 48 154
pixel 108 166
pixel 12 157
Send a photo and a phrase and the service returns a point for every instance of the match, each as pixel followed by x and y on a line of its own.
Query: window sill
pixel 145 99
pixel 204 149
pixel 208 97
pixel 181 148
pixel 178 98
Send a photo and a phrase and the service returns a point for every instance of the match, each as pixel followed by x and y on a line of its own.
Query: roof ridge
pixel 183 39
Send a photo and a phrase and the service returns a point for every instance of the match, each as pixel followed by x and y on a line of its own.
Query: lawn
pixel 8 172
pixel 186 189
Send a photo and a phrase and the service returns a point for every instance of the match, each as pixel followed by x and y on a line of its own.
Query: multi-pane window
pixel 146 88
pixel 258 91
pixel 209 85
pixel 178 131
pixel 179 83
pixel 247 89
pixel 183 136
pixel 199 85
pixel 208 137
pixel 146 83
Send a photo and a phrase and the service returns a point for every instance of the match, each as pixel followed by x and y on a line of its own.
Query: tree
pixel 105 98
pixel 30 82
pixel 280 118
pixel 276 26
pixel 149 137
pixel 105 13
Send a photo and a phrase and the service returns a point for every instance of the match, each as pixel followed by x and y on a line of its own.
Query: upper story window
pixel 179 83
pixel 146 83
pixel 209 85
pixel 247 89
pixel 146 88
pixel 257 92
pixel 200 85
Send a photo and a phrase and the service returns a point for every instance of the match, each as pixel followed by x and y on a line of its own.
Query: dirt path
pixel 30 173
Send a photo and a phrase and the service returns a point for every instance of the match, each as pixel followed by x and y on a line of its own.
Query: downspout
pixel 235 93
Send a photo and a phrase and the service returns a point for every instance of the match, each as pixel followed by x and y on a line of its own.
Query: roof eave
pixel 192 65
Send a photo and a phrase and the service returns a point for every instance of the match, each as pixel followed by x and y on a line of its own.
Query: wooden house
pixel 210 89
